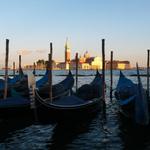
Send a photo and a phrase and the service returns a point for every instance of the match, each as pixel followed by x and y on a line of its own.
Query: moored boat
pixel 85 102
pixel 58 90
pixel 132 100
pixel 18 106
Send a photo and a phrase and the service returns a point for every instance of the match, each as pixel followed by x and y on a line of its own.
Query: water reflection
pixel 8 126
pixel 66 132
pixel 133 137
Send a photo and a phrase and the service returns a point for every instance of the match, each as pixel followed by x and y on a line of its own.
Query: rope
pixel 32 97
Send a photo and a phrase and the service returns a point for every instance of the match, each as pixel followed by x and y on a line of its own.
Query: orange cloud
pixel 24 52
pixel 40 51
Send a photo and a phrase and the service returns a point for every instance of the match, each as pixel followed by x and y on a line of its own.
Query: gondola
pixel 18 106
pixel 12 81
pixel 39 83
pixel 22 85
pixel 17 82
pixel 58 90
pixel 132 100
pixel 43 80
pixel 43 86
pixel 84 103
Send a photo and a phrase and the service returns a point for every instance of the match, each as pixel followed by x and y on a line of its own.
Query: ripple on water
pixel 94 134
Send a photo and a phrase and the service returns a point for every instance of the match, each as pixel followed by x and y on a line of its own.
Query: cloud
pixel 24 52
pixel 41 51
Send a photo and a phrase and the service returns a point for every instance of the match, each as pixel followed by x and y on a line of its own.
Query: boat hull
pixel 59 113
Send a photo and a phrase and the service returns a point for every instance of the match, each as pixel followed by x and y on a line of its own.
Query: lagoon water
pixel 93 134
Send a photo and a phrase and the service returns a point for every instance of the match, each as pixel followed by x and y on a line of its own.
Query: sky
pixel 31 25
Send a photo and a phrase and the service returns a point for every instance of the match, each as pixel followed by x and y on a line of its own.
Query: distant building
pixel 123 65
pixel 95 62
pixel 114 64
pixel 86 55
pixel 87 62
pixel 66 64
pixel 80 65
pixel 41 64
pixel 84 66
pixel 82 59
pixel 29 67
pixel 61 65
pixel 119 65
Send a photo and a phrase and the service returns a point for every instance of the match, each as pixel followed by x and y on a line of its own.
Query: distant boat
pixel 84 103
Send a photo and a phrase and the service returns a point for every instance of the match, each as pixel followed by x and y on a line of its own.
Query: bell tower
pixel 67 52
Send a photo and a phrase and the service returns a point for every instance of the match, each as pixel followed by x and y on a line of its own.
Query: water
pixel 93 134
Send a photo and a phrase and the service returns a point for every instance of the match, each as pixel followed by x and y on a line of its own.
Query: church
pixel 85 61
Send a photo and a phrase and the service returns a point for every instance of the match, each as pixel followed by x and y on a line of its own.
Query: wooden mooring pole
pixel 50 71
pixel 14 68
pixel 19 64
pixel 6 69
pixel 103 75
pixel 34 66
pixel 77 61
pixel 111 74
pixel 148 51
